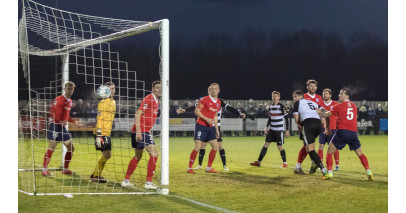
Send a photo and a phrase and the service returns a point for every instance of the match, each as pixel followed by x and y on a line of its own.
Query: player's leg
pixel 47 157
pixel 214 147
pixel 279 142
pixel 222 153
pixel 356 146
pixel 337 160
pixel 320 151
pixel 106 155
pixel 68 156
pixel 202 152
pixel 312 128
pixel 329 160
pixel 337 153
pixel 302 155
pixel 193 154
pixel 264 150
pixel 200 136
pixel 132 165
pixel 153 159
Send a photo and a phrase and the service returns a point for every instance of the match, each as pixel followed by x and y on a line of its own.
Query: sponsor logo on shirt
pixel 214 110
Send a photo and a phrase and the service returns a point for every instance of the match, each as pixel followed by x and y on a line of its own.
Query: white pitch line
pixel 203 204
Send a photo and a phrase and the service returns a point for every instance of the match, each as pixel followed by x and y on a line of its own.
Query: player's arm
pixel 324 120
pixel 216 126
pixel 99 124
pixel 199 114
pixel 286 120
pixel 231 109
pixel 267 125
pixel 137 116
pixel 323 113
pixel 296 115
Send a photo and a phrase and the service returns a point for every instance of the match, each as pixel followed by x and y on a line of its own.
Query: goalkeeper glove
pixel 99 139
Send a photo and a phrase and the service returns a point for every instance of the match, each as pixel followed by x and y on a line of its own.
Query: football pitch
pixel 244 188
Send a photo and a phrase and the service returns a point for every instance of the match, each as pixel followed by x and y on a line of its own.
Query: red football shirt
pixel 149 106
pixel 347 115
pixel 333 118
pixel 209 108
pixel 315 98
pixel 60 109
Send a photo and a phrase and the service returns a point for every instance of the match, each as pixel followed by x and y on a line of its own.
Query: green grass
pixel 244 189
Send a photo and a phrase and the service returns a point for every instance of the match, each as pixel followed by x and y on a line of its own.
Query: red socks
pixel 151 168
pixel 329 162
pixel 192 158
pixel 364 161
pixel 68 158
pixel 320 153
pixel 302 155
pixel 131 167
pixel 337 157
pixel 47 158
pixel 212 155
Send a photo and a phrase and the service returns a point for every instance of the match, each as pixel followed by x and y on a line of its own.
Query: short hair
pixel 311 81
pixel 347 91
pixel 109 84
pixel 70 83
pixel 213 84
pixel 298 92
pixel 276 92
pixel 155 83
pixel 328 90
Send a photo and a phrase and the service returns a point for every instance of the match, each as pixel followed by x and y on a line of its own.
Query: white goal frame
pixel 163 27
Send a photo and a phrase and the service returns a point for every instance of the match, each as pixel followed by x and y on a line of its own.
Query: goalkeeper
pixel 106 110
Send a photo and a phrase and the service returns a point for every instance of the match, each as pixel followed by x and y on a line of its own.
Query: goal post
pixel 82 43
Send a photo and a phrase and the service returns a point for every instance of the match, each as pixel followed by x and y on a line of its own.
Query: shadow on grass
pixel 257 179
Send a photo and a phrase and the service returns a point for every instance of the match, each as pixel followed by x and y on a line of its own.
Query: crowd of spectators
pixel 253 110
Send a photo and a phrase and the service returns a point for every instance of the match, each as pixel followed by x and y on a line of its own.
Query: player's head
pixel 297 95
pixel 311 86
pixel 112 88
pixel 327 94
pixel 69 88
pixel 156 88
pixel 214 89
pixel 345 94
pixel 276 96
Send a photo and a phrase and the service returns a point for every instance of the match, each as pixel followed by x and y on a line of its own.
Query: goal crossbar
pixel 102 39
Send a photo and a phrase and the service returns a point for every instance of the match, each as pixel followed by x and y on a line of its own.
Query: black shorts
pixel 275 136
pixel 311 130
pixel 105 145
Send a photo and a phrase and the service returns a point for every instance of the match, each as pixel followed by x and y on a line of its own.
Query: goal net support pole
pixel 165 107
pixel 65 78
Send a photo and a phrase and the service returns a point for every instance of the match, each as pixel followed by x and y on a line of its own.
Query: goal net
pixel 56 46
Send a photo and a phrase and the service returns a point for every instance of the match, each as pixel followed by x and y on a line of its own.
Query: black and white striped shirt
pixel 278 117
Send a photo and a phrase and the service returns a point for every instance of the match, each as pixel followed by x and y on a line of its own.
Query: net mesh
pixel 81 44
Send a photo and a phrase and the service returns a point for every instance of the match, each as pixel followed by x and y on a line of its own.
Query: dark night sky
pixel 194 20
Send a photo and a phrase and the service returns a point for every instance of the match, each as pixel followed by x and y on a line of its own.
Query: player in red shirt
pixel 57 132
pixel 141 136
pixel 312 96
pixel 346 133
pixel 206 129
pixel 324 138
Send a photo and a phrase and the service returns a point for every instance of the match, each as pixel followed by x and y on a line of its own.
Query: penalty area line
pixel 203 204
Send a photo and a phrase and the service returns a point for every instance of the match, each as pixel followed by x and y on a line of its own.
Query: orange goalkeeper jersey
pixel 106 110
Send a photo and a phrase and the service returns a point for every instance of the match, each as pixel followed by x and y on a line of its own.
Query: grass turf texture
pixel 244 188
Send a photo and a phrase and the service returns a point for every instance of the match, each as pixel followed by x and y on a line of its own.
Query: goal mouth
pixel 80 45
